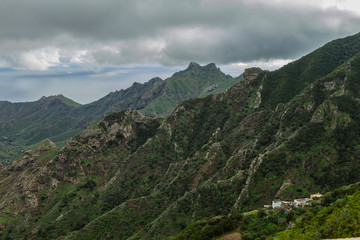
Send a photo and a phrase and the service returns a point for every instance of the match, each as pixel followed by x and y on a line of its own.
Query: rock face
pixel 24 182
pixel 251 74
pixel 134 177
pixel 29 157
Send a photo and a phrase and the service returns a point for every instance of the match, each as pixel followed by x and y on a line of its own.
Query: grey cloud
pixel 168 32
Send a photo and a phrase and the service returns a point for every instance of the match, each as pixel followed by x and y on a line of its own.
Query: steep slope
pixel 227 154
pixel 282 85
pixel 314 138
pixel 44 186
pixel 24 124
pixel 133 177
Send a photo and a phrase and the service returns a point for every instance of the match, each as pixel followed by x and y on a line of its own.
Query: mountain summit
pixel 193 65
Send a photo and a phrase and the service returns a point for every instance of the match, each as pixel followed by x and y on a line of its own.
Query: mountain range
pixel 274 135
pixel 22 125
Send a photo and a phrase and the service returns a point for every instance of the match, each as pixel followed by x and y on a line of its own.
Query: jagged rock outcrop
pixel 29 157
pixel 251 74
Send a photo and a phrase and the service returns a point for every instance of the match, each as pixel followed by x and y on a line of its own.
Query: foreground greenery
pixel 335 215
pixel 210 228
pixel 252 225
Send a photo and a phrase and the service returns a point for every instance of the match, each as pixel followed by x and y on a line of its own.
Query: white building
pixel 301 202
pixel 276 204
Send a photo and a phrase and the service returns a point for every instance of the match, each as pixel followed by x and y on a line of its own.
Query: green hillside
pixel 336 217
pixel 283 84
pixel 134 177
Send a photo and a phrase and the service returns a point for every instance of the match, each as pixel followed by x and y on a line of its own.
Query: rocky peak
pixel 137 87
pixel 251 73
pixel 155 80
pixel 193 65
pixel 211 66
pixel 49 98
pixel 29 157
pixel 45 145
pixel 117 129
pixel 58 100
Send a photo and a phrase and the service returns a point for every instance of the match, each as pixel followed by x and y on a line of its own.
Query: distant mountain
pixel 134 177
pixel 159 97
pixel 193 82
pixel 24 124
pixel 58 118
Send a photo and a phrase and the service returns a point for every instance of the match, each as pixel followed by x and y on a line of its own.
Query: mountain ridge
pixel 291 78
pixel 153 98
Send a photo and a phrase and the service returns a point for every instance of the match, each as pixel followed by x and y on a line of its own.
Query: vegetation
pixel 333 218
pixel 335 215
pixel 134 177
pixel 210 228
pixel 283 84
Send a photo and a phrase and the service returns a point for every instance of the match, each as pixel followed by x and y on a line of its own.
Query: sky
pixel 85 49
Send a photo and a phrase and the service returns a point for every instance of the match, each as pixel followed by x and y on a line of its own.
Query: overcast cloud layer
pixel 40 34
pixel 37 34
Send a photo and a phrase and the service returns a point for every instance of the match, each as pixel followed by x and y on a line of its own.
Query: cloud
pixel 40 59
pixel 235 69
pixel 39 34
